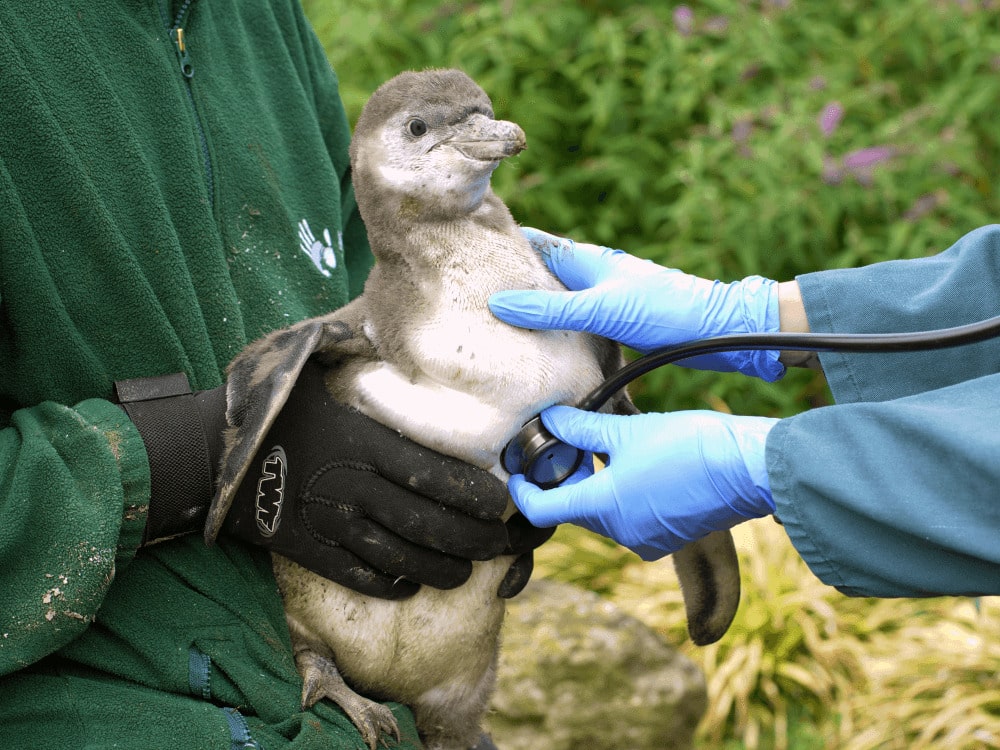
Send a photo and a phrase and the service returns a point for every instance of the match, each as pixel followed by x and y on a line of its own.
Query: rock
pixel 578 672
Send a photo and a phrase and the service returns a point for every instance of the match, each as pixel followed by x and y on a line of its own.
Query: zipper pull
pixel 177 36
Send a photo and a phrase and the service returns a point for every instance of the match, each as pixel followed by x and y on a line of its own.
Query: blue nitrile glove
pixel 670 479
pixel 645 306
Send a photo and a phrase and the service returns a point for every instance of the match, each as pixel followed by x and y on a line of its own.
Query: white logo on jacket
pixel 320 253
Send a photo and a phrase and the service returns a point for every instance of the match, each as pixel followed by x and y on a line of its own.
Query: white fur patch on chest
pixel 477 387
pixel 442 418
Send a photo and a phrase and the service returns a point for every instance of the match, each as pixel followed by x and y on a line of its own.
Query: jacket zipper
pixel 179 39
pixel 177 36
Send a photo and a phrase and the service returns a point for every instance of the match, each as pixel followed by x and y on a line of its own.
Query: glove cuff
pixel 759 298
pixel 750 435
pixel 182 432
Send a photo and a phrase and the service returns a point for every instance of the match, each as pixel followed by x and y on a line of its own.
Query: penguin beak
pixel 482 138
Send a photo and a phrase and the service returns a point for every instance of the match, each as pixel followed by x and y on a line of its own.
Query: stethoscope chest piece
pixel 544 460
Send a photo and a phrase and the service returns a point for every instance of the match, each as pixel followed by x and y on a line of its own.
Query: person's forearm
pixel 881 501
pixel 72 506
pixel 792 318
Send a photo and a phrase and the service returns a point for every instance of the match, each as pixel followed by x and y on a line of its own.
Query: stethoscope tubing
pixel 913 341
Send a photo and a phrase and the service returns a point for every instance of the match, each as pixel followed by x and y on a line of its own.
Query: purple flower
pixel 859 164
pixel 924 205
pixel 683 20
pixel 742 129
pixel 830 117
pixel 833 174
pixel 866 158
pixel 717 25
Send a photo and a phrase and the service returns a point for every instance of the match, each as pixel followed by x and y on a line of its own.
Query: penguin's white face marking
pixel 440 165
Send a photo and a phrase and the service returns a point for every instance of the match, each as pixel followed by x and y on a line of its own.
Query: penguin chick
pixel 420 351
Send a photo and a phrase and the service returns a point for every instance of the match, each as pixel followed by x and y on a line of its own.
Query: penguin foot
pixel 321 679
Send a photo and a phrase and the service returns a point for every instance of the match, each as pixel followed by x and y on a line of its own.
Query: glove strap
pixel 182 432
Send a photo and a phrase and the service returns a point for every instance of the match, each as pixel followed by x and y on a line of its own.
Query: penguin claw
pixel 321 679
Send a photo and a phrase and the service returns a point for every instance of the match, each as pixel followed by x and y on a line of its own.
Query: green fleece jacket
pixel 174 183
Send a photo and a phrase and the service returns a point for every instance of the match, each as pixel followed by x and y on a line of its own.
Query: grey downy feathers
pixel 420 351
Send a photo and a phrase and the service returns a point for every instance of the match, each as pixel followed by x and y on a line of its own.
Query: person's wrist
pixel 791 309
pixel 182 434
pixel 793 319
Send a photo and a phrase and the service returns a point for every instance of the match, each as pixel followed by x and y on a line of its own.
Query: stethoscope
pixel 547 462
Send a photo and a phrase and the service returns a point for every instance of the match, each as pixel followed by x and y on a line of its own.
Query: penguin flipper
pixel 708 570
pixel 709 573
pixel 259 381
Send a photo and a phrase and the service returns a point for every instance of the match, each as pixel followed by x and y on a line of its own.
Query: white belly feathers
pixel 472 396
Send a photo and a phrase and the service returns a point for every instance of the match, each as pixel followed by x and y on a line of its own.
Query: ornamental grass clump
pixel 786 661
pixel 934 676
pixel 804 667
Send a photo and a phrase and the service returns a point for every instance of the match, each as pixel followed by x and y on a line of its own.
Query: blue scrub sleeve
pixel 959 286
pixel 895 498
pixel 893 491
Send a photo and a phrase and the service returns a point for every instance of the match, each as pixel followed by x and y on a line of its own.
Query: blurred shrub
pixel 776 679
pixel 804 668
pixel 728 138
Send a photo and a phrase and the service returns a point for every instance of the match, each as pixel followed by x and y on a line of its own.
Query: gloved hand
pixel 359 504
pixel 670 479
pixel 645 306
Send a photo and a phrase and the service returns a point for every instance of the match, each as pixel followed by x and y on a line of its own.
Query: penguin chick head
pixel 425 146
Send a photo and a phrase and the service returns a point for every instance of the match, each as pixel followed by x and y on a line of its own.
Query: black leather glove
pixel 332 489
pixel 354 501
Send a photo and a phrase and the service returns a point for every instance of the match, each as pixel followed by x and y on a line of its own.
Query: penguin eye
pixel 417 127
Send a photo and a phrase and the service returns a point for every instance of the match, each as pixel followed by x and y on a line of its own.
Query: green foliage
pixel 731 138
pixel 693 137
